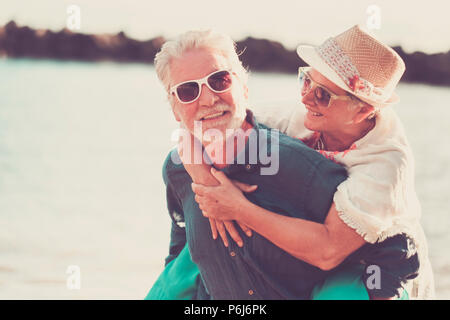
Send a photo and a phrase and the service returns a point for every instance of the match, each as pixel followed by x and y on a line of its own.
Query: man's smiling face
pixel 220 111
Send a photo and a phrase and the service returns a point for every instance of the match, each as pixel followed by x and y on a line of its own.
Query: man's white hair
pixel 207 39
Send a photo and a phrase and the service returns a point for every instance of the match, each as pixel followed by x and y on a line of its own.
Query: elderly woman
pixel 347 91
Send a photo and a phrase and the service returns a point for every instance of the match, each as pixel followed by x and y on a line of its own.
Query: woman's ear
pixel 364 112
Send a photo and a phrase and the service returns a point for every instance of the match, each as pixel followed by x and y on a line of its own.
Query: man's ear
pixel 245 92
pixel 175 114
pixel 363 113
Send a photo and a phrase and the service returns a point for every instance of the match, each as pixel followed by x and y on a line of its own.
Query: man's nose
pixel 207 97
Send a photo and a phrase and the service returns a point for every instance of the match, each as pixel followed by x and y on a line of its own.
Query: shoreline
pixel 260 55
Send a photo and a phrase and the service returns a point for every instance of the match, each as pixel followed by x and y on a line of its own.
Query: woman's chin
pixel 311 125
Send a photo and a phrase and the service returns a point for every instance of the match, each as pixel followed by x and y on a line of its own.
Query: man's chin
pixel 217 134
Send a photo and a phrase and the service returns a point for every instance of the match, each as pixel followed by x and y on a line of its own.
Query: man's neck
pixel 223 153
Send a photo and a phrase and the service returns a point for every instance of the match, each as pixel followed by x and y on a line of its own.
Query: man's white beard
pixel 235 122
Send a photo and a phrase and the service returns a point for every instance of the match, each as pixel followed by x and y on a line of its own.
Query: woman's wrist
pixel 246 211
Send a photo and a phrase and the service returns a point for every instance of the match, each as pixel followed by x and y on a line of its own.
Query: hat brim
pixel 312 58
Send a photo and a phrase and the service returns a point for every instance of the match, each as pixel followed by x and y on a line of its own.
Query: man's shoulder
pixel 293 150
pixel 172 166
pixel 286 142
pixel 304 176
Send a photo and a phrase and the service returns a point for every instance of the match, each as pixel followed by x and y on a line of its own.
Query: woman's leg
pixel 179 280
pixel 345 284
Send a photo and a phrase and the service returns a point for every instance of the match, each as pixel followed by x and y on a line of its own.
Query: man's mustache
pixel 220 107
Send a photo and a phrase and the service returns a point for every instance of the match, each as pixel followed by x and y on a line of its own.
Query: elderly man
pixel 206 86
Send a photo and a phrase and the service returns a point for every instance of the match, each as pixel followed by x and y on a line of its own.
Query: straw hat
pixel 359 64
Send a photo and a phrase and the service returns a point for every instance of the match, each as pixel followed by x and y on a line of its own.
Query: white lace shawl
pixel 378 199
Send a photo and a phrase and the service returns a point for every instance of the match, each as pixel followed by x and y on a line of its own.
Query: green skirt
pixel 180 278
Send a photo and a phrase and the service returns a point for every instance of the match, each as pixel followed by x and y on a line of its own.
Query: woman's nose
pixel 308 98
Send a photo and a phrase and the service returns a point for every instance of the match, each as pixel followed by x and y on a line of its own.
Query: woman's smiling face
pixel 336 116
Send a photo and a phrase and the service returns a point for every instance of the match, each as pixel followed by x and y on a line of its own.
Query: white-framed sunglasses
pixel 189 91
pixel 322 95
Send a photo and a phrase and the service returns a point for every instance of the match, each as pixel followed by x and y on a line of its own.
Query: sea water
pixel 81 152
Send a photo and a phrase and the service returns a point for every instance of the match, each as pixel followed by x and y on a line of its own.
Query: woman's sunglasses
pixel 189 91
pixel 322 96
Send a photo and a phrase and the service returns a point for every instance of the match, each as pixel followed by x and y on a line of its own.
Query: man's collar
pixel 249 159
pixel 250 118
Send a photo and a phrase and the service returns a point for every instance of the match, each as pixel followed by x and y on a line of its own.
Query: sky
pixel 416 25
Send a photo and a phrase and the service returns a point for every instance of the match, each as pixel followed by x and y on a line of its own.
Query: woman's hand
pixel 219 226
pixel 200 173
pixel 223 202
